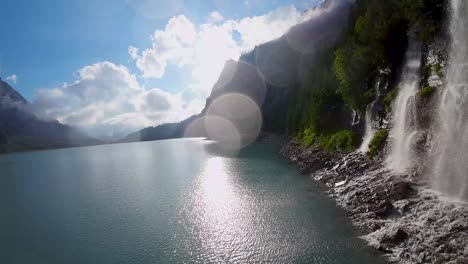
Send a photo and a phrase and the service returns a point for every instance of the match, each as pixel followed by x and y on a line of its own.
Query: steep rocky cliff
pixel 274 74
pixel 406 190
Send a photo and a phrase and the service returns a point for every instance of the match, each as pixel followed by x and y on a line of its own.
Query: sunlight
pixel 221 131
pixel 233 121
pixel 224 213
pixel 242 112
pixel 215 184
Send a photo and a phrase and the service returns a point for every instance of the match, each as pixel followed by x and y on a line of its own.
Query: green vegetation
pixel 389 98
pixel 426 73
pixel 307 137
pixel 315 104
pixel 426 91
pixel 364 49
pixel 438 70
pixel 377 143
pixel 342 79
pixel 343 140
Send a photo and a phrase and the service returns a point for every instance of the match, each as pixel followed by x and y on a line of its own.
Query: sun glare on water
pixel 221 212
pixel 215 183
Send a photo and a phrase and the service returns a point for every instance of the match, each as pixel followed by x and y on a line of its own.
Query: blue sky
pixel 46 43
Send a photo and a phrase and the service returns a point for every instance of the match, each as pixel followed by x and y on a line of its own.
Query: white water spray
pixel 370 129
pixel 450 152
pixel 404 131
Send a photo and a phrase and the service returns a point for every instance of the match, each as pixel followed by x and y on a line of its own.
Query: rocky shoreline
pixel 395 214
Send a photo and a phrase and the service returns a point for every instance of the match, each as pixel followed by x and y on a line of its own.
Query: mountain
pixel 21 130
pixel 392 71
pixel 272 73
pixel 318 81
pixel 164 131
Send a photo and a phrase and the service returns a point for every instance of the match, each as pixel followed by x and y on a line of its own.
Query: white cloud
pixel 208 46
pixel 215 17
pixel 172 45
pixel 12 78
pixel 107 101
pixel 133 52
pixel 261 29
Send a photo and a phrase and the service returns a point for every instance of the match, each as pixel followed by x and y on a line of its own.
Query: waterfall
pixel 404 131
pixel 450 151
pixel 370 130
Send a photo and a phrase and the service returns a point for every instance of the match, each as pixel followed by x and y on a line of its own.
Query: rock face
pixel 396 216
pixel 271 72
pixel 307 159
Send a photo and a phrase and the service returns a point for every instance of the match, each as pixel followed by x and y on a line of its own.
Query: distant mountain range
pixel 21 130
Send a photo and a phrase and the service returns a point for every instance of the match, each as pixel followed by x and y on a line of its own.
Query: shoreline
pixel 394 214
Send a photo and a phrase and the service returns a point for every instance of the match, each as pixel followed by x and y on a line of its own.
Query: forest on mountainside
pixel 374 41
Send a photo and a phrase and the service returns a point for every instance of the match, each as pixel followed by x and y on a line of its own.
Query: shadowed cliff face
pixel 272 72
pixel 21 130
pixel 268 76
pixel 289 59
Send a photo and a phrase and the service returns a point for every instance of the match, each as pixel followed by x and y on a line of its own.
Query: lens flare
pixel 226 76
pixel 196 129
pixel 219 129
pixel 223 132
pixel 232 120
pixel 242 112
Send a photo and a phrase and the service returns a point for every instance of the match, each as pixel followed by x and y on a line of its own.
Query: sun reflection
pixel 215 182
pixel 221 211
pixel 234 222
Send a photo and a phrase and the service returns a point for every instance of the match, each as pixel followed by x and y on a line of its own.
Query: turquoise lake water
pixel 169 201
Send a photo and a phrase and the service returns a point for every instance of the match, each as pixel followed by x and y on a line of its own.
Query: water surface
pixel 167 202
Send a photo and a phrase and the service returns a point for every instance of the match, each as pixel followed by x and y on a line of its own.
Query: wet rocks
pixel 396 215
pixel 397 236
pixel 308 159
pixel 384 208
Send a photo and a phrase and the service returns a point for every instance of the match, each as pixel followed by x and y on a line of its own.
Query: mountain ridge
pixel 21 130
pixel 269 73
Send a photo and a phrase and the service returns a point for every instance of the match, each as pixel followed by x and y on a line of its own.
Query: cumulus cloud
pixel 215 16
pixel 133 52
pixel 107 101
pixel 174 44
pixel 12 78
pixel 208 46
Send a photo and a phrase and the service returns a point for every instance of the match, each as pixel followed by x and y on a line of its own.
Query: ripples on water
pixel 167 202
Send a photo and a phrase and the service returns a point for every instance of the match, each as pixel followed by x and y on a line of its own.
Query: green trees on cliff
pixel 375 38
pixel 375 28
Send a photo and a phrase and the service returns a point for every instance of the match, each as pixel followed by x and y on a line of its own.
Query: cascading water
pixel 450 151
pixel 404 130
pixel 370 130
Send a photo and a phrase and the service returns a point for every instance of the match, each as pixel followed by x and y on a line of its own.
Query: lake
pixel 174 201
